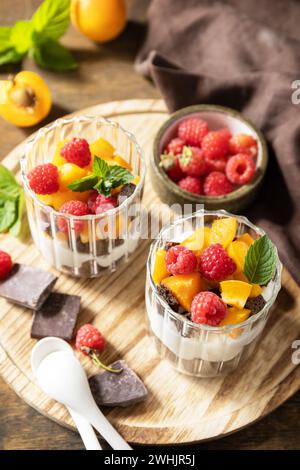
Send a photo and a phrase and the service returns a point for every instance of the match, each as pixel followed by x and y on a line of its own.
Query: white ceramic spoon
pixel 39 352
pixel 62 377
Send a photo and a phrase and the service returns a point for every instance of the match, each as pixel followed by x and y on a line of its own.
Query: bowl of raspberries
pixel 211 155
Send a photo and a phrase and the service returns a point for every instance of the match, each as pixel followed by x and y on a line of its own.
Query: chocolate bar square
pixel 123 389
pixel 27 286
pixel 56 317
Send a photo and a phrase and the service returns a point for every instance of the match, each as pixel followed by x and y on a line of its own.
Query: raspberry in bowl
pixel 83 179
pixel 212 280
pixel 211 155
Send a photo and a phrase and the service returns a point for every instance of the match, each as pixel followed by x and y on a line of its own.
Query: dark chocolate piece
pixel 56 317
pixel 123 389
pixel 27 286
pixel 127 190
pixel 169 245
pixel 171 300
pixel 255 304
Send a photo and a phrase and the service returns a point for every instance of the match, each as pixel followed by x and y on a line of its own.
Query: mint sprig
pixel 104 178
pixel 11 203
pixel 260 261
pixel 38 37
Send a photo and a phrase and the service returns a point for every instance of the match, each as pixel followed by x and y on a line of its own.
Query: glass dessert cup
pixel 196 349
pixel 106 240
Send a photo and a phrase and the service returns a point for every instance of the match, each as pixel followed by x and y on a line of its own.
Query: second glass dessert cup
pixel 197 349
pixel 106 240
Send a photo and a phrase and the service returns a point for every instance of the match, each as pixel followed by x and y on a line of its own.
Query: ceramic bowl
pixel 216 117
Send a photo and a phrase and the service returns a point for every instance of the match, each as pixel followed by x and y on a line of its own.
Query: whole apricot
pixel 99 20
pixel 25 99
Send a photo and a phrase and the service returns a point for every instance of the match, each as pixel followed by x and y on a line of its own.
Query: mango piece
pixel 255 291
pixel 45 199
pixel 122 162
pixel 235 293
pixel 136 180
pixel 102 148
pixel 69 172
pixel 223 231
pixel 246 238
pixel 198 241
pixel 59 198
pixel 58 159
pixel 237 250
pixel 160 271
pixel 235 315
pixel 184 287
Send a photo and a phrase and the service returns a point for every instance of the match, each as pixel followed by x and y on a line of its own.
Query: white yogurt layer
pixel 58 253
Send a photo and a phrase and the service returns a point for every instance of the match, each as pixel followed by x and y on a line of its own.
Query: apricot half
pixel 99 20
pixel 25 99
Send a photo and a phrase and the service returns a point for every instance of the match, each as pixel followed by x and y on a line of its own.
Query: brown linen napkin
pixel 211 52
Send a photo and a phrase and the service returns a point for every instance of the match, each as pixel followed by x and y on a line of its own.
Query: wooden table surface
pixel 106 73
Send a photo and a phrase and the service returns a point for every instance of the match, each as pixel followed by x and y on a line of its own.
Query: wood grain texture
pixel 116 305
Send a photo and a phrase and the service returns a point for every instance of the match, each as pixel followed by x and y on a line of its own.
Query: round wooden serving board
pixel 179 409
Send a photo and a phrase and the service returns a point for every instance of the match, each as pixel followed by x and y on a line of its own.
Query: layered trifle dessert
pixel 212 279
pixel 83 179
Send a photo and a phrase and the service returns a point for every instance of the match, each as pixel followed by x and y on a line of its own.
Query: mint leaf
pixel 51 19
pixel 5 43
pixel 15 229
pixel 9 188
pixel 260 261
pixel 119 175
pixel 7 214
pixel 103 187
pixel 100 167
pixel 21 36
pixel 83 184
pixel 10 56
pixel 53 56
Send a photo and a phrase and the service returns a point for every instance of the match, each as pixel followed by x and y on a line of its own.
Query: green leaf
pixel 15 229
pixel 53 56
pixel 260 261
pixel 83 184
pixel 9 188
pixel 5 43
pixel 100 167
pixel 10 56
pixel 51 19
pixel 104 187
pixel 8 212
pixel 21 36
pixel 119 175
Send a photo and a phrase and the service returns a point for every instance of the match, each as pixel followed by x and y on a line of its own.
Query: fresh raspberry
pixel 104 207
pixel 170 164
pixel 240 169
pixel 192 131
pixel 95 200
pixel 216 184
pixel 215 165
pixel 75 208
pixel 192 161
pixel 77 151
pixel 5 264
pixel 215 144
pixel 208 309
pixel 43 179
pixel 191 184
pixel 180 260
pixel 215 264
pixel 88 339
pixel 243 143
pixel 175 146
